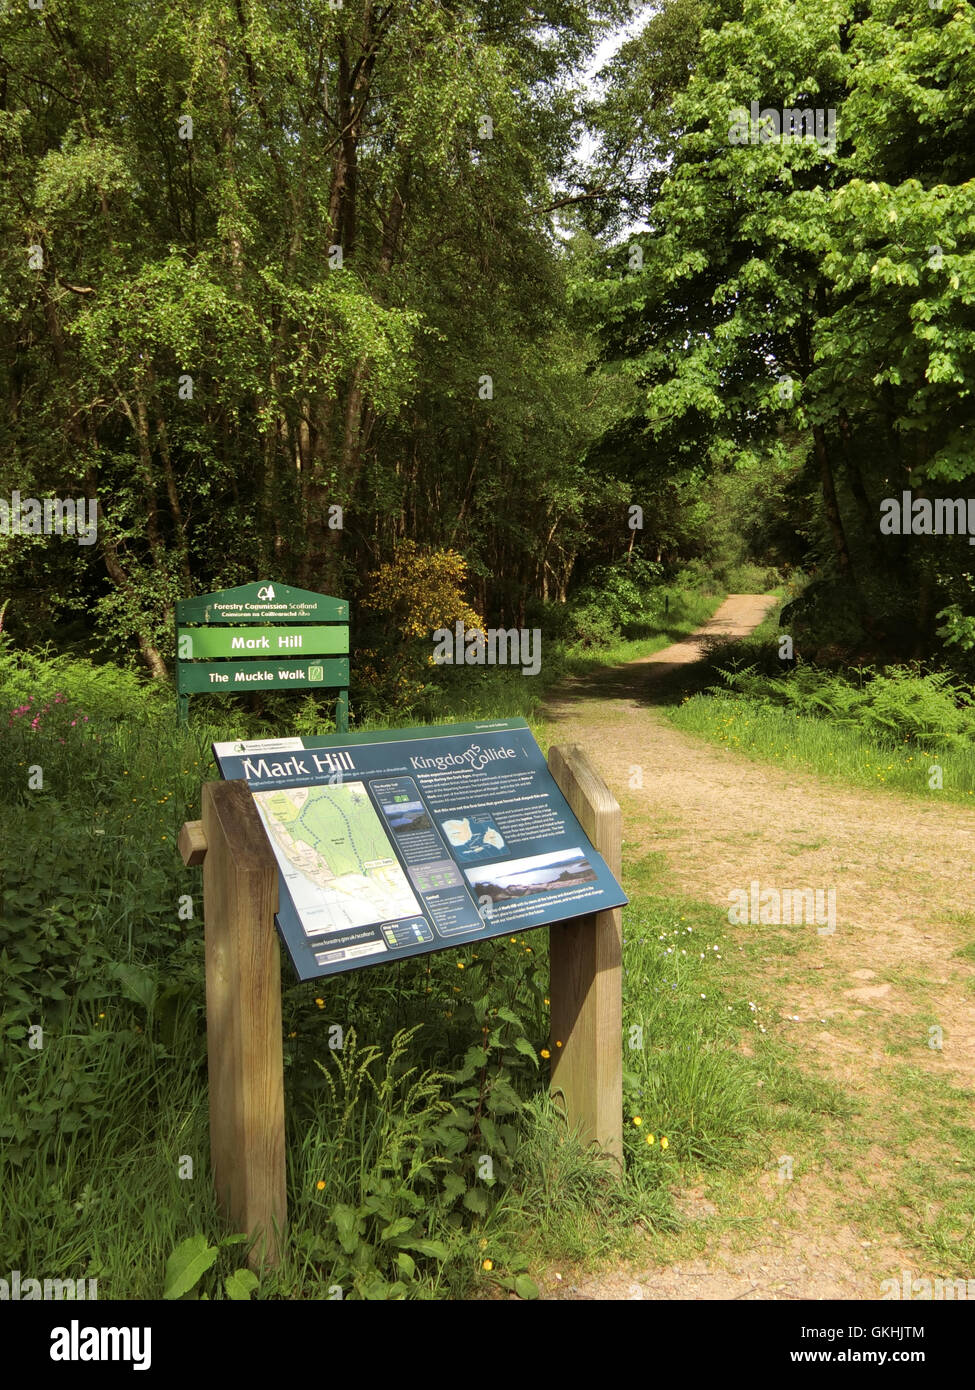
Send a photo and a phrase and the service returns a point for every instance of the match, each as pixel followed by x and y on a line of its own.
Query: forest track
pixel 853 1001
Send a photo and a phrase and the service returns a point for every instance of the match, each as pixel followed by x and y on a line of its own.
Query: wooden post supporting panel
pixel 586 975
pixel 244 1044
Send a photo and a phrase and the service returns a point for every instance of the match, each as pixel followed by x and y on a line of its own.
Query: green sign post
pixel 293 640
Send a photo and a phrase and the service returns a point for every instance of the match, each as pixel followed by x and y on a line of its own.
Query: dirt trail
pixel 902 871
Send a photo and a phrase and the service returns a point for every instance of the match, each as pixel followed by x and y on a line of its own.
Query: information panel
pixel 397 842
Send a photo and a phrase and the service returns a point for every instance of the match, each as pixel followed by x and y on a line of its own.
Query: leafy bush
pixel 747 578
pixel 417 592
pixel 590 625
pixel 958 628
pixel 101 694
pixel 618 596
pixel 554 620
pixel 623 591
pixel 695 574
pixel 825 612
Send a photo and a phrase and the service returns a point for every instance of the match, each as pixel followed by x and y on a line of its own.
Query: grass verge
pixel 928 767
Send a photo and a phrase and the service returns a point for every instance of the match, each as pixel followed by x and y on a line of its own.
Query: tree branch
pixel 576 198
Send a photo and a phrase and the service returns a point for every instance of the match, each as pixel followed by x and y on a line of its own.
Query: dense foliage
pixel 799 310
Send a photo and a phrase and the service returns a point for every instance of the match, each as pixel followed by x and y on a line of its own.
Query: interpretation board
pixel 296 653
pixel 400 842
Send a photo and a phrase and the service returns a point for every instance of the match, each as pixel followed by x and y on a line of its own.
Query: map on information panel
pixel 398 842
pixel 336 857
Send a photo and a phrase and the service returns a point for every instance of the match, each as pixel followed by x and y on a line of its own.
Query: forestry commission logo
pixel 316 673
pixel 266 593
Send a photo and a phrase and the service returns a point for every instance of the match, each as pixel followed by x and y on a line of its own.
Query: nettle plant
pixel 404 1165
pixel 191 1261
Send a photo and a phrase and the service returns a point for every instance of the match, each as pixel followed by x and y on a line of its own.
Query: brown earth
pixel 902 871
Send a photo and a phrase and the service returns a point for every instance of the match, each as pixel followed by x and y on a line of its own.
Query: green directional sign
pixel 288 640
pixel 220 676
pixel 266 636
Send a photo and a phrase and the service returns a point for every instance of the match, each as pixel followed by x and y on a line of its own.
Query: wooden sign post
pixel 245 1056
pixel 243 985
pixel 586 961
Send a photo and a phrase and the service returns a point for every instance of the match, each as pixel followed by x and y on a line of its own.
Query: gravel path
pixel 902 871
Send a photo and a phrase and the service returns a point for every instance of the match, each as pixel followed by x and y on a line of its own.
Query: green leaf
pixel 476 1200
pixel 138 984
pixel 489 1134
pixel 399 1227
pixel 525 1287
pixel 434 1248
pixel 378 1291
pixel 524 1046
pixel 406 1264
pixel 187 1264
pixel 346 1224
pixel 502 1100
pixel 240 1285
pixel 454 1185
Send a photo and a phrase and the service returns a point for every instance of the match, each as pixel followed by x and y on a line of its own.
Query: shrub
pixel 416 592
pixel 104 693
pixel 901 703
pixel 591 626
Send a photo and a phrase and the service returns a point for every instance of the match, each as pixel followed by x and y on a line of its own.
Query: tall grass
pixel 818 745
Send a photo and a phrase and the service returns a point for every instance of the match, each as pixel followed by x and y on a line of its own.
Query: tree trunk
pixel 833 518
